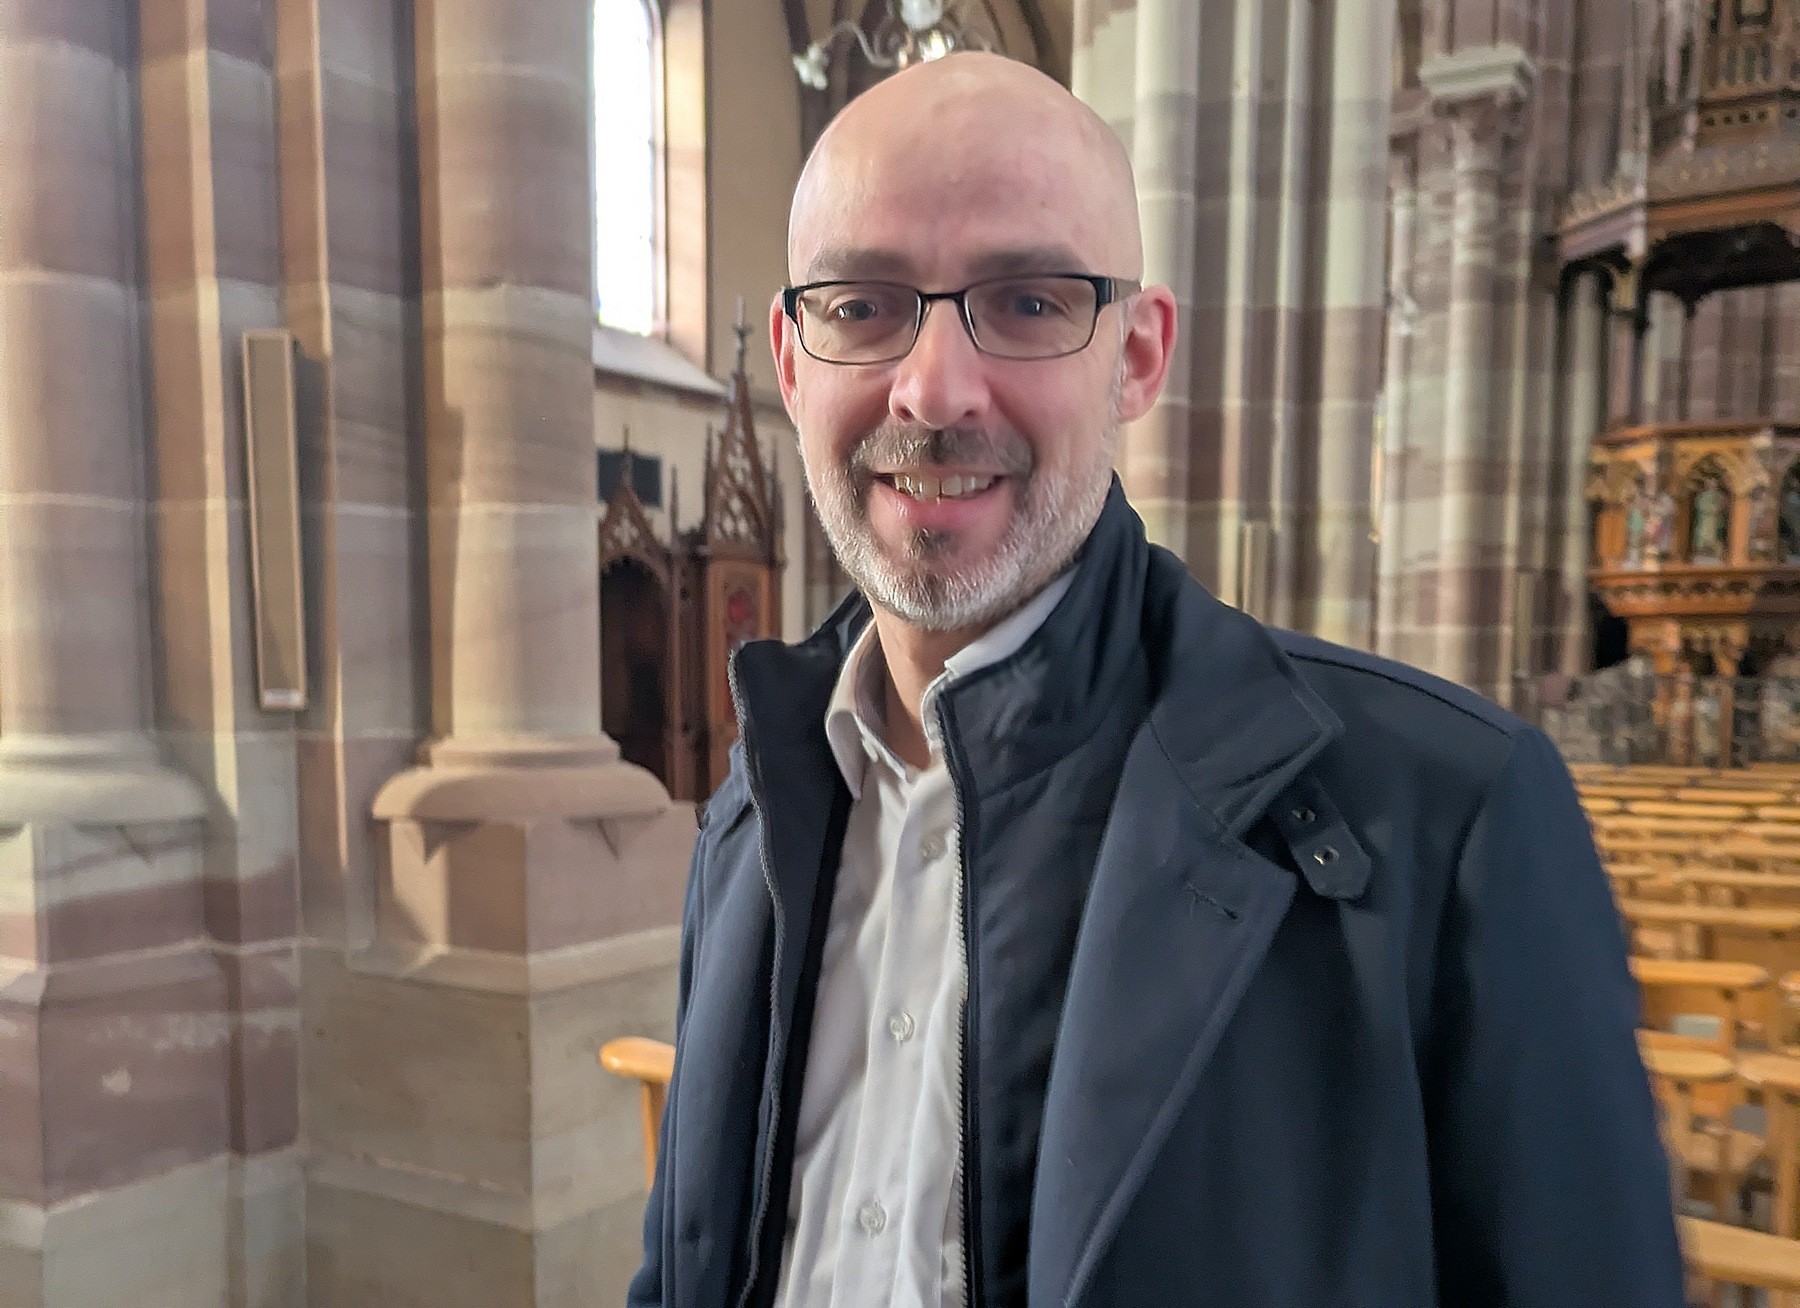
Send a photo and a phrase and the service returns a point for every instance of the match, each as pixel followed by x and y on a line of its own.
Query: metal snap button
pixel 1325 855
pixel 1304 814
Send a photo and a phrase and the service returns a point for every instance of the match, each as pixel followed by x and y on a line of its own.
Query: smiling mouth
pixel 923 486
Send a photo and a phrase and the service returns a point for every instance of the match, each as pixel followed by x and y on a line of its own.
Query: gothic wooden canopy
pixel 1708 194
pixel 685 606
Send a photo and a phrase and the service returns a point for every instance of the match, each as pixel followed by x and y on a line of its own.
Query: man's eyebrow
pixel 847 262
pixel 841 262
pixel 1027 259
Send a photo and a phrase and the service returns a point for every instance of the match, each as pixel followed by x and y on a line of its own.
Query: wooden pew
pixel 1718 794
pixel 1734 886
pixel 1623 790
pixel 1687 809
pixel 1739 995
pixel 1768 937
pixel 1777 1078
pixel 1653 824
pixel 1661 851
pixel 1737 1256
pixel 650 1063
pixel 1758 852
pixel 1705 1153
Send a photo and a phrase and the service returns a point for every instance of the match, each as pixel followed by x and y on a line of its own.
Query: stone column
pixel 528 905
pixel 1666 346
pixel 1402 309
pixel 1155 460
pixel 112 1051
pixel 1476 90
pixel 1350 345
pixel 1584 391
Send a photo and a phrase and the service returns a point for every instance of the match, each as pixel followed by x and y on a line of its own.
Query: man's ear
pixel 783 344
pixel 1150 335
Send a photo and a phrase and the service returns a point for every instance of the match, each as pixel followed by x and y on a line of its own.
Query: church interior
pixel 391 461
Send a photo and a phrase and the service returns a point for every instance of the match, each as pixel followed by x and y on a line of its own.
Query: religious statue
pixel 1760 513
pixel 1707 536
pixel 1634 527
pixel 1789 522
pixel 1659 528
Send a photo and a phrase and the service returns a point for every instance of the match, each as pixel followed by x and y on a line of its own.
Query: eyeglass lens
pixel 1016 318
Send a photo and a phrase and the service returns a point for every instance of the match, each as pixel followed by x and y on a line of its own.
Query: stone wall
pixel 303 1007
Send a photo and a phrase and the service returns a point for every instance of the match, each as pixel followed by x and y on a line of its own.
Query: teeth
pixel 921 487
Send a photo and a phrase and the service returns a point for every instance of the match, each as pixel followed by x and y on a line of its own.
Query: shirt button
pixel 872 1217
pixel 933 847
pixel 900 1026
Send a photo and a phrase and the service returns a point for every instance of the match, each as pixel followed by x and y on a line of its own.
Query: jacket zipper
pixel 967 1137
pixel 767 1171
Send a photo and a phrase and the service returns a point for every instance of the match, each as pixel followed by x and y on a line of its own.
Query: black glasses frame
pixel 1107 290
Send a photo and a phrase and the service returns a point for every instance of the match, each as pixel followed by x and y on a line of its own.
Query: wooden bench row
pixel 1718 1251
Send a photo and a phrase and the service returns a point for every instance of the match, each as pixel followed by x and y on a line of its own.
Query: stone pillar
pixel 1476 90
pixel 1350 344
pixel 1155 460
pixel 113 1094
pixel 1665 347
pixel 1402 309
pixel 1584 390
pixel 526 910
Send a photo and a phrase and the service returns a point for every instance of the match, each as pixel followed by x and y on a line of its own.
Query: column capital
pixel 1478 76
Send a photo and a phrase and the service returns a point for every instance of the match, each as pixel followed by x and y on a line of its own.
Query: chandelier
pixel 911 32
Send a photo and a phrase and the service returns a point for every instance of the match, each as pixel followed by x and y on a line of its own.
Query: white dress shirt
pixel 874 1213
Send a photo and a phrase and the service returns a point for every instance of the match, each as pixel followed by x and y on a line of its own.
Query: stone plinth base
pixel 467 1149
pixel 226 1233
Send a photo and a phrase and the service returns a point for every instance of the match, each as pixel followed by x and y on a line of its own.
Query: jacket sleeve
pixel 1549 1183
pixel 646 1289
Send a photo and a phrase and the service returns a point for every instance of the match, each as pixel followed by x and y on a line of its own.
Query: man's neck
pixel 914 660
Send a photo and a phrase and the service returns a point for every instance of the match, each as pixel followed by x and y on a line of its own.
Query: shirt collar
pixel 854 717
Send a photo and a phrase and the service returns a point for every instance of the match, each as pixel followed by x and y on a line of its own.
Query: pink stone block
pixel 119 1068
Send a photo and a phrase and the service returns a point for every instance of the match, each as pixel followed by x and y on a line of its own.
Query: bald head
pixel 974 154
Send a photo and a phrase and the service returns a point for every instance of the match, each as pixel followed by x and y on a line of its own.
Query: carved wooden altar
pixel 673 613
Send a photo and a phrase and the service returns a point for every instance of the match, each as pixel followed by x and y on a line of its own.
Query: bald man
pixel 1062 936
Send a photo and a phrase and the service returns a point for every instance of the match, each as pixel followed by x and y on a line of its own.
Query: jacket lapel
pixel 1180 916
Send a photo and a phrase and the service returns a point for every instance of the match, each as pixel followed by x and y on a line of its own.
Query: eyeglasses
pixel 1040 316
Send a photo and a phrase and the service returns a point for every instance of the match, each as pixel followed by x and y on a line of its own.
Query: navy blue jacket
pixel 1294 981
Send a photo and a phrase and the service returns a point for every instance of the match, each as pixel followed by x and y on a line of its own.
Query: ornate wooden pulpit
pixel 1696 526
pixel 1696 541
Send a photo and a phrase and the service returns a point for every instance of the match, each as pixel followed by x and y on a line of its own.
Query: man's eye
pixel 1027 304
pixel 853 311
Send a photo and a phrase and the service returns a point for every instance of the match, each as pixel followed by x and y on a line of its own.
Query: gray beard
pixel 1052 518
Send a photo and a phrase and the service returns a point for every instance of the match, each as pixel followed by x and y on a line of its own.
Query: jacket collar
pixel 1234 720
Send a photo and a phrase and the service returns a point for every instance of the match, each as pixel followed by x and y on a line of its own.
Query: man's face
pixel 953 484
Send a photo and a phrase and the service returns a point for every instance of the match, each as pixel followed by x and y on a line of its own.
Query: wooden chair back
pixel 1704 1153
pixel 1736 1256
pixel 1737 995
pixel 1777 1078
pixel 651 1063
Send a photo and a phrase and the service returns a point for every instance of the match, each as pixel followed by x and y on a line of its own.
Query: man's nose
pixel 942 382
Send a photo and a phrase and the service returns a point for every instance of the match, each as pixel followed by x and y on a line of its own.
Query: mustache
pixel 895 443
